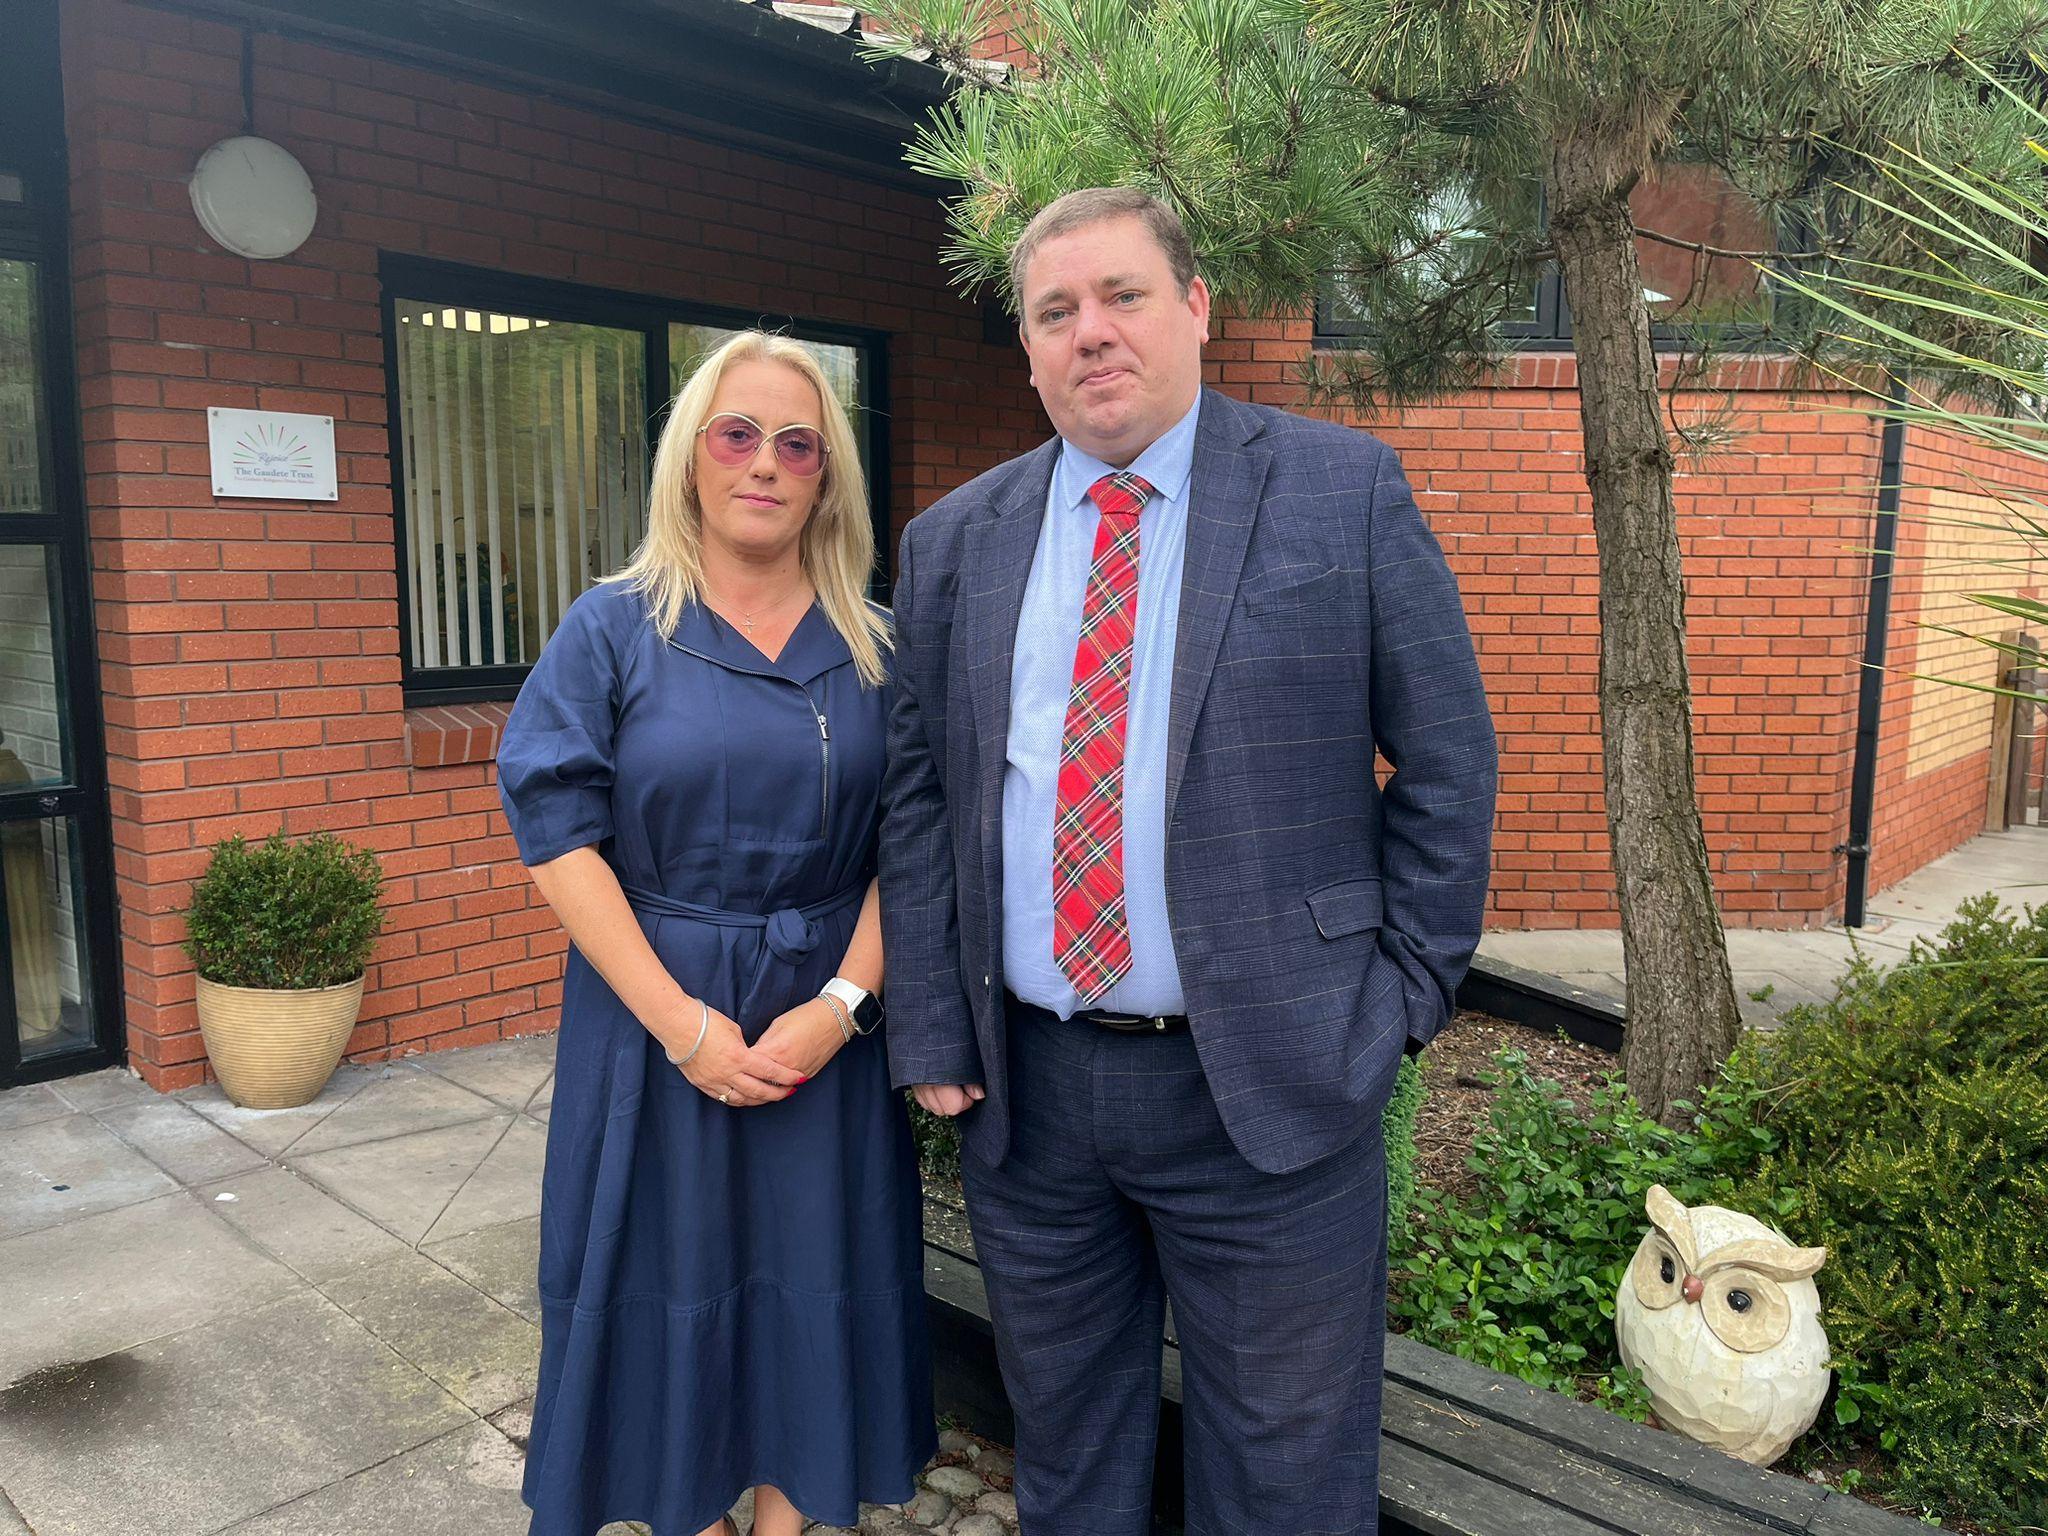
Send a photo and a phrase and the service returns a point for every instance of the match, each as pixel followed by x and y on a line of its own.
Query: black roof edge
pixel 732 69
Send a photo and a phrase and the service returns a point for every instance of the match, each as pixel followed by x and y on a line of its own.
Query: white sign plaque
pixel 274 454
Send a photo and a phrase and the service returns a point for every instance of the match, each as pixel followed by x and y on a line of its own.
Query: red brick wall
pixel 1775 610
pixel 250 649
pixel 1934 756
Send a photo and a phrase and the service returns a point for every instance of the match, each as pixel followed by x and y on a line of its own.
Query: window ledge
pixel 444 735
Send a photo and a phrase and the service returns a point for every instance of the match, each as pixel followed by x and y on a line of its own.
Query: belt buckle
pixel 1131 1023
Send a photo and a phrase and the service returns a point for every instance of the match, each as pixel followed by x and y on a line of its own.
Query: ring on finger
pixel 725 1097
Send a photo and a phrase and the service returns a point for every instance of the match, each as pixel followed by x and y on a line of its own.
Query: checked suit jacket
pixel 1321 922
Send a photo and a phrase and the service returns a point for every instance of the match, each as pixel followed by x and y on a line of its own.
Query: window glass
pixel 51 1006
pixel 689 345
pixel 525 449
pixel 21 391
pixel 1698 203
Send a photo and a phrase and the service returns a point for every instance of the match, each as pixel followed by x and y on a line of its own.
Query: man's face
pixel 1116 351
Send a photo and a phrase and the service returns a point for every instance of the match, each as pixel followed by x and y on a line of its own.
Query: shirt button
pixel 988 983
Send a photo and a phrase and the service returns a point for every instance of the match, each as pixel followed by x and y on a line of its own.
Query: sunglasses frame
pixel 824 448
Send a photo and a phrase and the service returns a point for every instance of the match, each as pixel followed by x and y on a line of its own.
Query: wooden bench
pixel 1464 1451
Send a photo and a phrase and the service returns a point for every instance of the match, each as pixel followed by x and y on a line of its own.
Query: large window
pixel 524 417
pixel 1689 291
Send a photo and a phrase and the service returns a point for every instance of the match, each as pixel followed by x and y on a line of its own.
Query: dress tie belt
pixel 793 932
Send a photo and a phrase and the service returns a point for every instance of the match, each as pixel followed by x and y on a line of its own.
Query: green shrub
pixel 1910 1121
pixel 938 1143
pixel 281 914
pixel 1520 1274
pixel 1398 1129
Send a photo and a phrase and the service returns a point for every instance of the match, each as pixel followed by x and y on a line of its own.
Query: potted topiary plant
pixel 280 933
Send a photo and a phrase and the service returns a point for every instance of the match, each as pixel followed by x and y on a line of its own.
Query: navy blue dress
pixel 729 1296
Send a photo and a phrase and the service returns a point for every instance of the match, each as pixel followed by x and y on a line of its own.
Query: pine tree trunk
pixel 1682 1016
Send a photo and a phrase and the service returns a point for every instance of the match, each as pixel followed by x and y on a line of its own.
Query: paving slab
pixel 107 1089
pixel 1805 965
pixel 299 1223
pixel 404 1183
pixel 185 1144
pixel 54 1171
pixel 466 1482
pixel 25 1106
pixel 185 1435
pixel 508 1073
pixel 503 1262
pixel 487 1356
pixel 11 1523
pixel 272 1131
pixel 505 1186
pixel 110 1281
pixel 403 1100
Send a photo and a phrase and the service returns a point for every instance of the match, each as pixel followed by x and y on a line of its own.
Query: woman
pixel 730 1264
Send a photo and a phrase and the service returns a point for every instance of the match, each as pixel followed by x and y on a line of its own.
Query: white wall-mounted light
pixel 254 198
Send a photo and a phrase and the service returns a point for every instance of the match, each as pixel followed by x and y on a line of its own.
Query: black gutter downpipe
pixel 1870 696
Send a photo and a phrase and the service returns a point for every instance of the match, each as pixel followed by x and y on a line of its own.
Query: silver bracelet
pixel 839 1013
pixel 703 1029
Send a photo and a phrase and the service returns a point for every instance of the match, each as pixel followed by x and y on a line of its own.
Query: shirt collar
pixel 1165 466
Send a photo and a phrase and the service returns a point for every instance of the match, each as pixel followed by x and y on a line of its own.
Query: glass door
pixel 58 1009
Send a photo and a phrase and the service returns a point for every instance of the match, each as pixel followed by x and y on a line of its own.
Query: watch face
pixel 868 1013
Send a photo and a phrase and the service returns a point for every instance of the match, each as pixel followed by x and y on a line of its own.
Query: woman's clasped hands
pixel 722 1066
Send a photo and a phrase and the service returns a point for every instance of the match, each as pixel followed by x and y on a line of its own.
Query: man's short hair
pixel 1092 205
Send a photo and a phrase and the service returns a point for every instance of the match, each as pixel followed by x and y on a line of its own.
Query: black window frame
pixel 36 229
pixel 453 285
pixel 1551 330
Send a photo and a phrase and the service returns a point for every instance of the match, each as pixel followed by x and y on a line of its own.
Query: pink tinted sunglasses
pixel 733 440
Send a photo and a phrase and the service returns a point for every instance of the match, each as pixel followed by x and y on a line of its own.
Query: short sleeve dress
pixel 729 1296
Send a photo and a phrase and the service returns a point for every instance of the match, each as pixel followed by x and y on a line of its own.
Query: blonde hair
pixel 837 547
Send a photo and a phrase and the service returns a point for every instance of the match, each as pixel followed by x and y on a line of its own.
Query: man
pixel 1153 929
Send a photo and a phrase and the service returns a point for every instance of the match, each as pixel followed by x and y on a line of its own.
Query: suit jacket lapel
pixel 1229 479
pixel 996 564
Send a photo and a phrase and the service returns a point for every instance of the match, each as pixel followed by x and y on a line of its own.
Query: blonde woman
pixel 730 1265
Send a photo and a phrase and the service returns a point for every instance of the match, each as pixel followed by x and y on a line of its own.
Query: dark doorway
pixel 59 998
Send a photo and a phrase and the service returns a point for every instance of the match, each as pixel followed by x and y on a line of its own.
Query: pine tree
pixel 1394 151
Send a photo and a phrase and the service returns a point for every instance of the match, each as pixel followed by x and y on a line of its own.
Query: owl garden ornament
pixel 1721 1316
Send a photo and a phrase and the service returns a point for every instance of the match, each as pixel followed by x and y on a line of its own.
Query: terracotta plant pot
pixel 272 1048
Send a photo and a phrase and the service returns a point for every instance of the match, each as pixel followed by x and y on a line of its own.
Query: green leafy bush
pixel 1398 1128
pixel 1908 1122
pixel 282 914
pixel 1904 1124
pixel 1520 1274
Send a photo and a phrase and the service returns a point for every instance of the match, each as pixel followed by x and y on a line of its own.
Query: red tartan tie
pixel 1091 936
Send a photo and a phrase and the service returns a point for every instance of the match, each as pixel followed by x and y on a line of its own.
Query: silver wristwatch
pixel 863 1007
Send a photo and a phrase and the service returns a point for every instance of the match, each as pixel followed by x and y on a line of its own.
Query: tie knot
pixel 1120 495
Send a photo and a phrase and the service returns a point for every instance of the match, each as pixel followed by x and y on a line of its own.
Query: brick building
pixel 525 231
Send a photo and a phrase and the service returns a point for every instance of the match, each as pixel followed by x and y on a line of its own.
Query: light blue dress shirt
pixel 1041 681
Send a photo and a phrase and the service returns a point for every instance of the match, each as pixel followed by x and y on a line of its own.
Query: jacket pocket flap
pixel 1351 906
pixel 1291 586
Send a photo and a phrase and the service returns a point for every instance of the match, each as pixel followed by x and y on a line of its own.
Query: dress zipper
pixel 825 769
pixel 824 729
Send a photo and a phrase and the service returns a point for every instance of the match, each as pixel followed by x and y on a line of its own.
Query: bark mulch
pixel 1457 1103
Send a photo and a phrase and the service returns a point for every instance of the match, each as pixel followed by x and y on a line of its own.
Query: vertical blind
pixel 525 449
pixel 21 487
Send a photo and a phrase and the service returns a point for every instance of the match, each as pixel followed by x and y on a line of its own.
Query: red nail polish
pixel 801 1081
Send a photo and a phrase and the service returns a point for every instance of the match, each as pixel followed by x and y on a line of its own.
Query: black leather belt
pixel 1122 1023
pixel 1136 1023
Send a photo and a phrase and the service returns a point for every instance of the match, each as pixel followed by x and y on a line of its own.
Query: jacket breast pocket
pixel 1290 588
pixel 1349 906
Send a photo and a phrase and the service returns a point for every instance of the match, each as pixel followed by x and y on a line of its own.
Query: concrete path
pixel 306 1322
pixel 321 1320
pixel 1803 965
